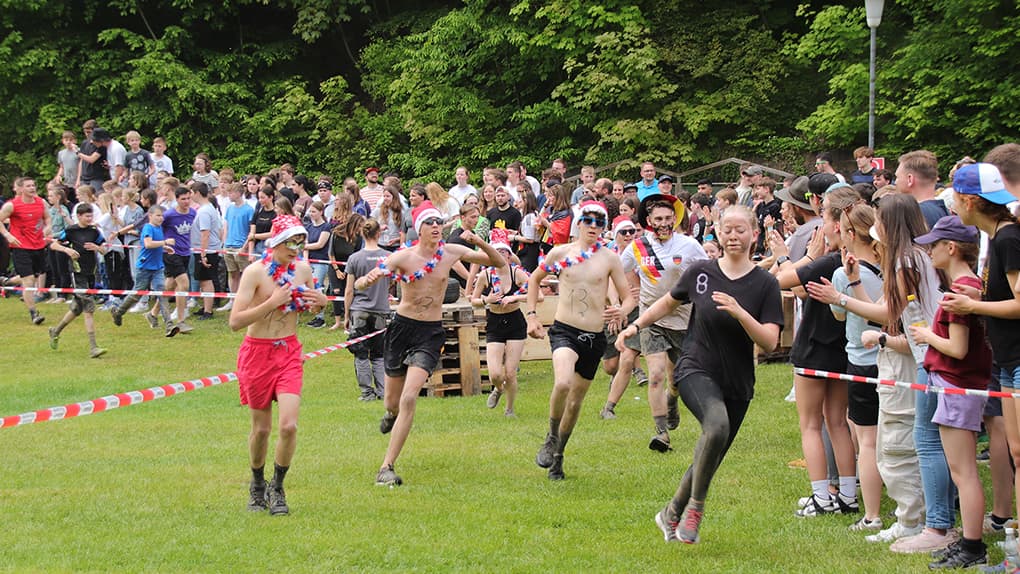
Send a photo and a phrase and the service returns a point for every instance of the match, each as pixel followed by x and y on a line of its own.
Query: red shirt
pixel 27 222
pixel 974 370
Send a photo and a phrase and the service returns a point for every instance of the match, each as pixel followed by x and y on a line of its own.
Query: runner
pixel 271 294
pixel 415 336
pixel 585 271
pixel 29 223
pixel 735 306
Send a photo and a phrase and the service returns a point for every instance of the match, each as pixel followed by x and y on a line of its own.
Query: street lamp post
pixel 874 16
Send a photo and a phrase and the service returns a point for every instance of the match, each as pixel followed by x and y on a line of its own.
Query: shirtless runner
pixel 576 337
pixel 271 294
pixel 415 336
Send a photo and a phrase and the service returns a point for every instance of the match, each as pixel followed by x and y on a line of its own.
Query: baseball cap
pixel 949 228
pixel 666 177
pixel 981 179
pixel 371 169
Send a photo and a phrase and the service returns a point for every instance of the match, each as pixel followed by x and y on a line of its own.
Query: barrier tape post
pixel 903 384
pixel 130 398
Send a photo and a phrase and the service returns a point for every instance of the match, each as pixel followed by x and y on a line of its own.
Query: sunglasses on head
pixel 433 221
pixel 627 231
pixel 593 221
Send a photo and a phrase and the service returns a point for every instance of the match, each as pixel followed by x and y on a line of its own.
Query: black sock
pixel 562 443
pixel 660 424
pixel 258 474
pixel 610 405
pixel 973 546
pixel 554 426
pixel 278 474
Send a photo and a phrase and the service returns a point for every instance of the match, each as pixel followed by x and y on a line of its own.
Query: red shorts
pixel 267 368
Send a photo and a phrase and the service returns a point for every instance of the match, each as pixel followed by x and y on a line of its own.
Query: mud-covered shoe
pixel 278 501
pixel 54 338
pixel 258 497
pixel 97 352
pixel 544 458
pixel 387 422
pixel 660 442
pixel 607 414
pixel 388 477
pixel 556 469
pixel 493 400
pixel 118 319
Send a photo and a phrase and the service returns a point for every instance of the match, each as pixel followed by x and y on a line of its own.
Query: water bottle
pixel 1009 548
pixel 914 316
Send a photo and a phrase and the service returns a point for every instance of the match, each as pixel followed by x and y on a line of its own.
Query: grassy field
pixel 161 487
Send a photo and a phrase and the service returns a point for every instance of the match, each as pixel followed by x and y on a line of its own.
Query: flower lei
pixel 496 281
pixel 419 274
pixel 559 266
pixel 284 277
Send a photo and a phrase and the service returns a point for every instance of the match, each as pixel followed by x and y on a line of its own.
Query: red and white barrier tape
pixel 904 385
pixel 201 294
pixel 221 252
pixel 128 399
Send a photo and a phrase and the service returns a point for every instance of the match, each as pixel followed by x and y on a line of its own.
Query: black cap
pixel 666 177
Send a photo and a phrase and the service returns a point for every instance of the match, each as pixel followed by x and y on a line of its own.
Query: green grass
pixel 161 486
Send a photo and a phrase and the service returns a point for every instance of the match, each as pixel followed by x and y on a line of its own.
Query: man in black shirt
pixel 504 215
pixel 81 243
pixel 93 169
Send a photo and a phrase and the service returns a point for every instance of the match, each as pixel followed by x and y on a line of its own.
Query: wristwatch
pixel 882 339
pixel 843 301
pixel 782 259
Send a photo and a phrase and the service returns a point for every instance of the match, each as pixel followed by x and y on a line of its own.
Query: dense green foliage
pixel 335 85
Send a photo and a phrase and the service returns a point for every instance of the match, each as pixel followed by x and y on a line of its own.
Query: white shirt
pixel 675 255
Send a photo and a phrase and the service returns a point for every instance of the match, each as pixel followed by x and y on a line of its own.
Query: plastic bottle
pixel 1010 550
pixel 914 316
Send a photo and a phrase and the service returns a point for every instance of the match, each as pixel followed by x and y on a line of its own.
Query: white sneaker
pixel 228 306
pixel 894 532
pixel 791 397
pixel 139 307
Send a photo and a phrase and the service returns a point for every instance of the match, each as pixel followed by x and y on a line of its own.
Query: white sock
pixel 821 489
pixel 848 486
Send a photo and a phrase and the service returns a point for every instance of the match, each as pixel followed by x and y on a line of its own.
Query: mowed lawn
pixel 161 486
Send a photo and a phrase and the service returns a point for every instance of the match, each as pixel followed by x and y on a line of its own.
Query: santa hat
pixel 424 211
pixel 285 227
pixel 623 222
pixel 500 239
pixel 592 206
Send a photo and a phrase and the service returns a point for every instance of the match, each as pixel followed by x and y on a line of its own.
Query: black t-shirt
pixel 820 341
pixel 1003 257
pixel 773 208
pixel 508 219
pixel 138 161
pixel 93 171
pixel 76 237
pixel 716 343
pixel 263 220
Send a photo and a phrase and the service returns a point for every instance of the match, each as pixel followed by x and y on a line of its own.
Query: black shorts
pixel 863 397
pixel 411 343
pixel 503 327
pixel 203 273
pixel 821 357
pixel 588 346
pixel 175 265
pixel 29 262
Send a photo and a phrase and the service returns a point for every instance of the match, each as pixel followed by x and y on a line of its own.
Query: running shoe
pixel 544 458
pixel 316 323
pixel 866 524
pixel 992 527
pixel 1003 567
pixel 639 375
pixel 278 501
pixel 54 338
pixel 660 442
pixel 815 506
pixel 203 316
pixel 509 413
pixel 388 477
pixel 690 523
pixel 958 557
pixel 672 411
pixel 556 469
pixel 97 352
pixel 387 422
pixel 153 322
pixel 667 527
pixel 37 318
pixel 184 328
pixel 258 498
pixel 139 307
pixel 894 532
pixel 171 329
pixel 607 414
pixel 493 398
pixel 228 306
pixel 118 319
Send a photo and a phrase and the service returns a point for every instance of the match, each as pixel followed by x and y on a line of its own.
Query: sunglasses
pixel 295 245
pixel 627 231
pixel 593 221
pixel 433 221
